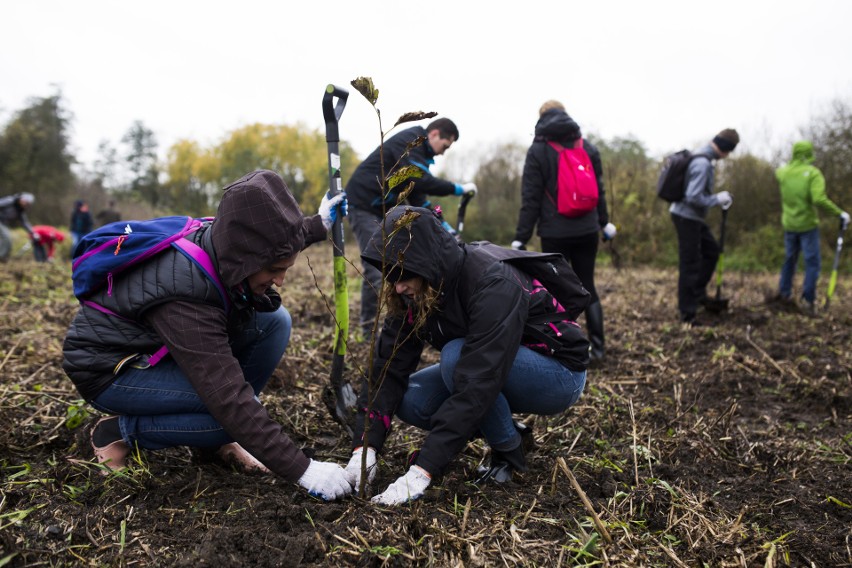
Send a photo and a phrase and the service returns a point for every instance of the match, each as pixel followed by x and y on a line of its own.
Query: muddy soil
pixel 723 445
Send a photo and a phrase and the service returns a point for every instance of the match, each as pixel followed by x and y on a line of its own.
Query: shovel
pixel 719 304
pixel 832 282
pixel 460 217
pixel 342 402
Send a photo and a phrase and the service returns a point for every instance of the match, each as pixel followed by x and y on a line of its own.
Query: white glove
pixel 724 199
pixel 332 207
pixel 517 245
pixel 36 237
pixel 326 480
pixel 609 231
pixel 844 220
pixel 353 468
pixel 469 188
pixel 409 487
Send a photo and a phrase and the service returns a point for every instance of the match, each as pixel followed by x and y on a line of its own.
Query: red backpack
pixel 576 183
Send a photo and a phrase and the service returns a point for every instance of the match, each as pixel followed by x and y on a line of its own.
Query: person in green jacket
pixel 802 191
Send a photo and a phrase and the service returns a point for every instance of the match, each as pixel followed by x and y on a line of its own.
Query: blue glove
pixel 332 207
pixel 466 188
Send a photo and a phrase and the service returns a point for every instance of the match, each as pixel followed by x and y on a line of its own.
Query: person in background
pixel 108 215
pixel 369 198
pixel 507 346
pixel 204 393
pixel 698 250
pixel 13 212
pixel 81 222
pixel 802 188
pixel 576 238
pixel 44 246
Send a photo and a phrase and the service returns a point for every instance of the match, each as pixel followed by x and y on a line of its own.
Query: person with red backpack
pixel 177 349
pixel 574 236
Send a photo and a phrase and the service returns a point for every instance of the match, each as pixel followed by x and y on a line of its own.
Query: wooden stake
pixel 586 503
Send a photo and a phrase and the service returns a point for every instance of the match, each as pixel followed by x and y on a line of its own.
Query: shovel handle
pixel 462 209
pixel 332 111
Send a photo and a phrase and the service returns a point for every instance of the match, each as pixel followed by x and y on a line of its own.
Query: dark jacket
pixel 168 302
pixel 538 191
pixel 13 213
pixel 363 190
pixel 81 221
pixel 485 299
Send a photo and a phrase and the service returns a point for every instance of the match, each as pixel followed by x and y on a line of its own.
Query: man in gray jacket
pixel 698 250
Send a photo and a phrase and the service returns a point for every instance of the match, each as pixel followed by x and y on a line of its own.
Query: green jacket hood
pixel 803 152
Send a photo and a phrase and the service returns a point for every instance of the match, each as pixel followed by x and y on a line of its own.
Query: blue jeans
pixel 536 384
pixel 159 408
pixel 807 243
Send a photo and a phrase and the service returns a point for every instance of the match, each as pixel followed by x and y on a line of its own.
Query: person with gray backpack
pixel 698 250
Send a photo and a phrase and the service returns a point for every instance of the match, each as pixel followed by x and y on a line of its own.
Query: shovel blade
pixel 341 400
pixel 716 305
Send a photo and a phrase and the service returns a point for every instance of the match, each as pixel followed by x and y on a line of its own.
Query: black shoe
pixel 497 472
pixel 503 465
pixel 691 321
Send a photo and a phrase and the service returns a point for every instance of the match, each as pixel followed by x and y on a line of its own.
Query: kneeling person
pixel 204 393
pixel 503 321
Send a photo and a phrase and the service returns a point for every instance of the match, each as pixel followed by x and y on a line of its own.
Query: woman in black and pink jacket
pixel 503 322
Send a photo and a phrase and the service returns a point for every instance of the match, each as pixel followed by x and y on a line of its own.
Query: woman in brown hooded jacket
pixel 221 351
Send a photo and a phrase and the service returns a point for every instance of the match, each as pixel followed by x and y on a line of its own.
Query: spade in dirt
pixel 339 396
pixel 832 281
pixel 719 304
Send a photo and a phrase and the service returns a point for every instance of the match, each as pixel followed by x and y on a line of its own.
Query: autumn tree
pixel 197 175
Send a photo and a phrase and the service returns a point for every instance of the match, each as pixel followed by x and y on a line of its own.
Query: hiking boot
pixel 690 320
pixel 235 454
pixel 781 301
pixel 502 466
pixel 809 308
pixel 109 447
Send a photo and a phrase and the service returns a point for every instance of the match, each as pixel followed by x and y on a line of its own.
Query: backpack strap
pixel 203 261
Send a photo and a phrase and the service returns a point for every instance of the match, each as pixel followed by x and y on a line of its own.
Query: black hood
pixel 556 125
pixel 417 245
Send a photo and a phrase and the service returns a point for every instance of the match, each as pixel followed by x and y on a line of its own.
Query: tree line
pixel 35 156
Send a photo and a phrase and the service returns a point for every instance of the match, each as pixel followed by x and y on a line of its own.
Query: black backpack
pixel 671 185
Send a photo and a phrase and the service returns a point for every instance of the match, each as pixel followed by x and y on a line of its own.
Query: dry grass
pixel 727 445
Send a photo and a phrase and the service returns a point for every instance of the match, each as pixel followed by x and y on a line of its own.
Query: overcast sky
pixel 671 73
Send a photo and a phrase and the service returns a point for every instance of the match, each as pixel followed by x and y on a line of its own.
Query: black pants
pixel 698 252
pixel 581 252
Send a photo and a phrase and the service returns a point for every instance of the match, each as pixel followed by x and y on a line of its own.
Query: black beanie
pixel 727 140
